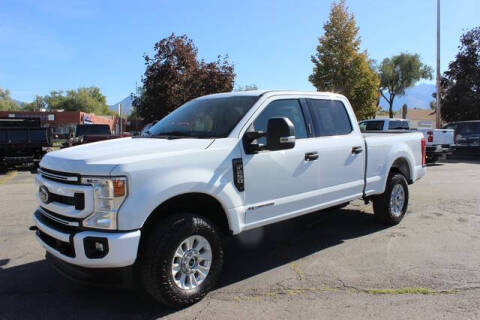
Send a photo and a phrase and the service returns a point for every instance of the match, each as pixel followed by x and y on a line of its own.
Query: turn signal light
pixel 119 188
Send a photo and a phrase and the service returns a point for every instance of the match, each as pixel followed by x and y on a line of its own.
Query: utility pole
pixel 438 116
pixel 120 115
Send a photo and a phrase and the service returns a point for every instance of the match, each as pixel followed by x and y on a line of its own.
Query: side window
pixel 374 126
pixel 398 125
pixel 289 108
pixel 330 117
pixel 392 125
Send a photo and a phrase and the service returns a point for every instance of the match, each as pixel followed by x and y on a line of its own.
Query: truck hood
pixel 99 158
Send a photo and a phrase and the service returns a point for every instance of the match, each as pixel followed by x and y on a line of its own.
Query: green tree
pixel 460 97
pixel 89 100
pixel 6 102
pixel 174 76
pixel 35 105
pixel 339 66
pixel 399 73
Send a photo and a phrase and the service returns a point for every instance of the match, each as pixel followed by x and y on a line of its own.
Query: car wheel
pixel 182 260
pixel 390 207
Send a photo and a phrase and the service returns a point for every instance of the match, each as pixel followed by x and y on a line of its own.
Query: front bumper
pixel 67 243
pixel 103 277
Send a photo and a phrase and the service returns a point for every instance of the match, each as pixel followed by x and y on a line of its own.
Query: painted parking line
pixel 7 177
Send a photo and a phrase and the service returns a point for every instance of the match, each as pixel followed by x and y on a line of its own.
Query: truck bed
pixel 383 149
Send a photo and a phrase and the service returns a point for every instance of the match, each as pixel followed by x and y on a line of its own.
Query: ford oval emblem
pixel 43 194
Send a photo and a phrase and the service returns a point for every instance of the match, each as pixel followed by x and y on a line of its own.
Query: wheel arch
pixel 193 202
pixel 402 165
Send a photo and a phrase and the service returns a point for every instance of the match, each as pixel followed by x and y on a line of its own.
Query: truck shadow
pixel 35 290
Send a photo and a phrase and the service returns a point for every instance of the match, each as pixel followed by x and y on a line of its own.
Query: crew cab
pixel 160 206
pixel 439 142
pixel 86 133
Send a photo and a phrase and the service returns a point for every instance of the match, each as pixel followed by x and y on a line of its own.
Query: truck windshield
pixel 92 129
pixel 204 118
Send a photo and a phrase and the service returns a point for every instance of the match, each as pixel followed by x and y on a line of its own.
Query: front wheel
pixel 182 260
pixel 390 207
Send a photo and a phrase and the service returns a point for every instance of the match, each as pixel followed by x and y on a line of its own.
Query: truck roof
pixel 385 119
pixel 259 93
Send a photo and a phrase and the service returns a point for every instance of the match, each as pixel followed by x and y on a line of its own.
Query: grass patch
pixel 408 290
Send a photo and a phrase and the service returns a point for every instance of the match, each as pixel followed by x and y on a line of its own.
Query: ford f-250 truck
pixel 158 206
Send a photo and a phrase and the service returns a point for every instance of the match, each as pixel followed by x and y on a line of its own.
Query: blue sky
pixel 54 45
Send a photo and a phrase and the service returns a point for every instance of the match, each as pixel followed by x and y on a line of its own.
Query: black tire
pixel 381 203
pixel 158 253
pixel 432 159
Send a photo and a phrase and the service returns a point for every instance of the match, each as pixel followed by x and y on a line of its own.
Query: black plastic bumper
pixel 103 277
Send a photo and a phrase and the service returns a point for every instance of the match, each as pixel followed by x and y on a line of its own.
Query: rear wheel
pixel 390 207
pixel 182 260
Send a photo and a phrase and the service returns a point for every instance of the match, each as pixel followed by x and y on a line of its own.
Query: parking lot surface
pixel 334 265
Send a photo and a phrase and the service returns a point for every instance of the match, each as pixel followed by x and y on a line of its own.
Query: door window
pixel 398 125
pixel 371 125
pixel 330 117
pixel 289 108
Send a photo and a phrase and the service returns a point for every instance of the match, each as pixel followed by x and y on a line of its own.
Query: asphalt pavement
pixel 327 265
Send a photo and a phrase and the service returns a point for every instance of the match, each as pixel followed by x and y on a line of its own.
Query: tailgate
pixel 443 136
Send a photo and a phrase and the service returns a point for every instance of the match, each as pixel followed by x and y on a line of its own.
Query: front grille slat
pixel 53 221
pixel 65 177
pixel 78 200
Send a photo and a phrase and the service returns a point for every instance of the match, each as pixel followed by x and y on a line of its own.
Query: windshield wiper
pixel 172 135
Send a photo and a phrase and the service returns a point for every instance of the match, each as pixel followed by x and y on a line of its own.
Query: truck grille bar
pixel 59 176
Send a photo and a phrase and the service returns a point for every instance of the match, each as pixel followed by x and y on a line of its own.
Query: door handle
pixel 357 149
pixel 310 156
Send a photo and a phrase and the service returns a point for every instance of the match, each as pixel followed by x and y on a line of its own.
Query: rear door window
pixel 372 125
pixel 330 118
pixel 398 125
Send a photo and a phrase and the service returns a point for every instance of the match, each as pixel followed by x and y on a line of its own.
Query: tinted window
pixel 204 118
pixel 289 108
pixel 93 129
pixel 330 117
pixel 398 125
pixel 371 125
pixel 468 128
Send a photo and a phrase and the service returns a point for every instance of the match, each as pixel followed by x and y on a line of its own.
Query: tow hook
pixel 33 228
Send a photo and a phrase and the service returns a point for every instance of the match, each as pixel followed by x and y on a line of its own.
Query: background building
pixel 64 122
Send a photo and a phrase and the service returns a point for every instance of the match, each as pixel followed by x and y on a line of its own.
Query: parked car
pixel 159 206
pixel 384 125
pixel 86 133
pixel 22 141
pixel 467 137
pixel 440 142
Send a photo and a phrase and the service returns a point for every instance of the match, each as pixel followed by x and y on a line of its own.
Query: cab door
pixel 278 183
pixel 341 151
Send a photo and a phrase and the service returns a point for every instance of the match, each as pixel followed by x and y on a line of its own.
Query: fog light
pixel 95 247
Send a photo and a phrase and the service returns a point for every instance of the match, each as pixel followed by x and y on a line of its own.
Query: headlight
pixel 109 194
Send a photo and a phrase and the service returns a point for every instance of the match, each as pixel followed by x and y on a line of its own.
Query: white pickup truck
pixel 158 206
pixel 439 142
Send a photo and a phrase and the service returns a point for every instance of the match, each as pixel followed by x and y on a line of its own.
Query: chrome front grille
pixel 59 219
pixel 63 195
pixel 59 176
